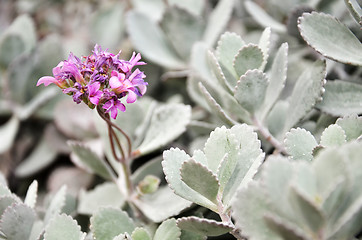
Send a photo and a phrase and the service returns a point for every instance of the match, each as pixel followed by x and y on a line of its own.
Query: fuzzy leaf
pixel 153 10
pixel 217 21
pixel 148 38
pixel 183 29
pixel 227 48
pixel 162 204
pixel 148 185
pixel 284 228
pixel 200 179
pixel 249 57
pixel 168 230
pixel 140 234
pixel 250 90
pixel 6 201
pixel 17 221
pixel 249 207
pixel 277 78
pixel 193 6
pixel 352 126
pixel 112 16
pixel 109 222
pixel 42 156
pixel 172 163
pixel 276 118
pixel 306 92
pixel 31 194
pixel 167 123
pixel 203 226
pixel 322 32
pixel 341 98
pixel 264 45
pixel 56 204
pixel 216 69
pixel 334 135
pixel 63 227
pixel 262 17
pixel 355 10
pixel 299 144
pixel 8 133
pixel 106 194
pixel 87 159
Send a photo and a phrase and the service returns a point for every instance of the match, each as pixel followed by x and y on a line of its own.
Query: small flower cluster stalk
pixel 101 80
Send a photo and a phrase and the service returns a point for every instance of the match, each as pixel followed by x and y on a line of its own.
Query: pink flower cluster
pixel 101 79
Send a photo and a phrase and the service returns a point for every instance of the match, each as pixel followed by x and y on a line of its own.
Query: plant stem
pixel 268 136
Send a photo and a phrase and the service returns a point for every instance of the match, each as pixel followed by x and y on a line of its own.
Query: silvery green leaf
pixel 18 38
pixel 167 123
pixel 168 230
pixel 263 18
pixel 4 190
pixel 87 159
pixel 31 194
pixel 122 236
pixel 8 133
pixel 227 48
pixel 152 9
pixel 105 194
pixel 6 201
pixel 249 207
pixel 284 228
pixel 349 223
pixel 56 204
pixel 203 226
pixel 264 45
pixel 148 185
pixel 42 156
pixel 306 93
pixel 323 31
pixel 172 163
pixel 193 6
pixel 140 234
pixel 63 227
pixel 299 144
pixel 183 29
pixel 276 118
pixel 352 126
pixel 333 198
pixel 307 209
pixel 341 98
pixel 16 222
pixel 334 135
pixel 148 38
pixel 217 21
pixel 277 77
pixel 199 178
pixel 162 204
pixel 110 15
pixel 216 69
pixel 249 57
pixel 250 90
pixel 187 235
pixel 354 8
pixel 217 109
pixel 108 222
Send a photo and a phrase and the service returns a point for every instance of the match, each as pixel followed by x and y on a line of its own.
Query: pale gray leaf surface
pixel 109 222
pixel 299 143
pixel 17 221
pixel 217 21
pixel 148 38
pixel 31 194
pixel 168 230
pixel 152 9
pixel 216 68
pixel 276 118
pixel 193 6
pixel 322 32
pixel 56 205
pixel 8 132
pixel 341 98
pixel 140 234
pixel 352 126
pixel 249 57
pixel 277 78
pixel 103 195
pixel 334 135
pixel 167 123
pixel 354 7
pixel 200 179
pixel 264 45
pixel 250 90
pixel 306 93
pixel 263 18
pixel 63 227
pixel 172 163
pixel 203 226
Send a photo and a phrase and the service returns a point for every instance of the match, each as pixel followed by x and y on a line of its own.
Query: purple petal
pixel 47 80
pixel 132 97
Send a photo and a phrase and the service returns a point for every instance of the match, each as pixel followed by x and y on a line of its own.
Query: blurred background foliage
pixel 171 35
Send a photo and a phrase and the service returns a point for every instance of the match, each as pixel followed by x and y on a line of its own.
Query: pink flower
pixel 113 106
pixel 94 93
pixel 121 85
pixel 60 82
